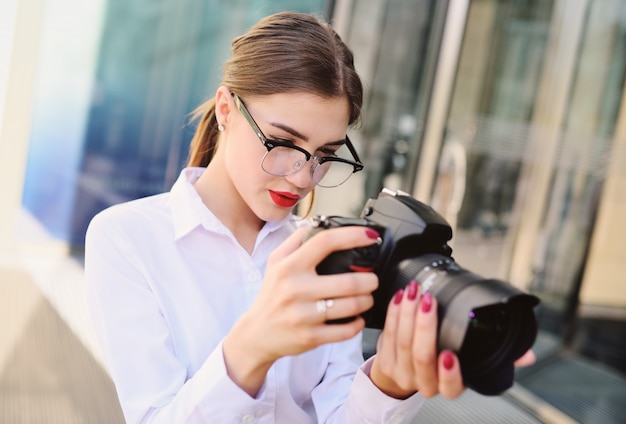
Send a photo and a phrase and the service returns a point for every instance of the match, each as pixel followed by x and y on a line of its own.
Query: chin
pixel 276 215
pixel 273 213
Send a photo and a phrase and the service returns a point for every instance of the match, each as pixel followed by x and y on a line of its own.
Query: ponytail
pixel 204 141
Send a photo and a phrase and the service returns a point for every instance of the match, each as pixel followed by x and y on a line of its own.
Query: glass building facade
pixel 115 90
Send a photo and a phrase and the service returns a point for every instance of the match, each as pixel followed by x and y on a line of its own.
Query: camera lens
pixel 487 322
pixel 486 332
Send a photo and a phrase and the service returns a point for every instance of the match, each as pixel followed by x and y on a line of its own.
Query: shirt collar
pixel 189 212
pixel 187 208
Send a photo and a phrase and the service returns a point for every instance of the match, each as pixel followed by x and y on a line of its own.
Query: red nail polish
pixel 412 290
pixel 427 302
pixel 448 360
pixel 373 234
pixel 398 297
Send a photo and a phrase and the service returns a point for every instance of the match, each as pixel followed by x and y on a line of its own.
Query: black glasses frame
pixel 270 144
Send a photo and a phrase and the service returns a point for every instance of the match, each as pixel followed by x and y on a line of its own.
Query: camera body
pixel 487 322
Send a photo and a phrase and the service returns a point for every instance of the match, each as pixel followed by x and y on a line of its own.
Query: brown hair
pixel 284 52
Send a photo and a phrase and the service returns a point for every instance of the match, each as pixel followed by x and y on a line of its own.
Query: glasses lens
pixel 332 173
pixel 282 161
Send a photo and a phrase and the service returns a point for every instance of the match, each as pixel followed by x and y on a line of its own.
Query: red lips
pixel 284 199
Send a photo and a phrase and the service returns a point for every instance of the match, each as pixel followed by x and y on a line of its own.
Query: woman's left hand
pixel 407 359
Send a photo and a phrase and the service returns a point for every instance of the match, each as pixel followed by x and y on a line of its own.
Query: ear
pixel 224 105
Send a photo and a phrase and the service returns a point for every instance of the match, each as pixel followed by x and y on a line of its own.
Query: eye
pixel 279 140
pixel 327 151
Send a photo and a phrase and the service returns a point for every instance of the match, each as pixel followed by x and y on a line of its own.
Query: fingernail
pixel 427 302
pixel 398 297
pixel 373 234
pixel 412 290
pixel 448 360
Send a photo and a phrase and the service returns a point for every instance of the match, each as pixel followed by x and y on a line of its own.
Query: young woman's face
pixel 308 121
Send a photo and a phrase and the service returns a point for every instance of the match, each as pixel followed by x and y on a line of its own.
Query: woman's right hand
pixel 286 318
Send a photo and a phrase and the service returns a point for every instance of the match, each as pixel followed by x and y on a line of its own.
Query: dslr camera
pixel 488 323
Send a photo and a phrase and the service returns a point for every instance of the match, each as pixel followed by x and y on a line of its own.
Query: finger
pixel 340 285
pixel 386 341
pixel 405 334
pixel 323 243
pixel 321 334
pixel 425 346
pixel 526 359
pixel 338 308
pixel 450 379
pixel 291 243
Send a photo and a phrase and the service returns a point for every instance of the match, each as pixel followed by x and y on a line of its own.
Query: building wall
pixel 605 273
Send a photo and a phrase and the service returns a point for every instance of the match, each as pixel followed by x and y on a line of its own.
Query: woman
pixel 205 299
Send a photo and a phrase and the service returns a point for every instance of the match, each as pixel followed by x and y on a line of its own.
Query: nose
pixel 303 178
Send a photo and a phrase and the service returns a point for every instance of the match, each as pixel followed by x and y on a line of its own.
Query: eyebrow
pixel 297 134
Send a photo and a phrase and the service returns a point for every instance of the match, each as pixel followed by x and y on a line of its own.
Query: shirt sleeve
pixel 151 382
pixel 347 395
pixel 367 404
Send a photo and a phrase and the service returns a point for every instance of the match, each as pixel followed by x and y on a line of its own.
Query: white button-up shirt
pixel 166 281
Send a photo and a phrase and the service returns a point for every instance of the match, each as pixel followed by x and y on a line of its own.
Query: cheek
pixel 243 160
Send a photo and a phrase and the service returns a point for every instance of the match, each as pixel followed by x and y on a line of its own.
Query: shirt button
pixel 396 418
pixel 253 276
pixel 248 418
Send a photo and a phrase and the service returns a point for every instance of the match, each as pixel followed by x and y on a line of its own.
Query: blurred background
pixel 507 116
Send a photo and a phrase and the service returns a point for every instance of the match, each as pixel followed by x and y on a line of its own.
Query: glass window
pixel 489 127
pixel 395 44
pixel 531 130
pixel 117 83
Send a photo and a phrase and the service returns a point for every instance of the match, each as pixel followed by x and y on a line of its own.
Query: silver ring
pixel 323 305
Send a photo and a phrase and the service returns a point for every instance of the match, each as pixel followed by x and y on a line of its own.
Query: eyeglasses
pixel 283 158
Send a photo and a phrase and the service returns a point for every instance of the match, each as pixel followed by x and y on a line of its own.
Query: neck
pixel 219 195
